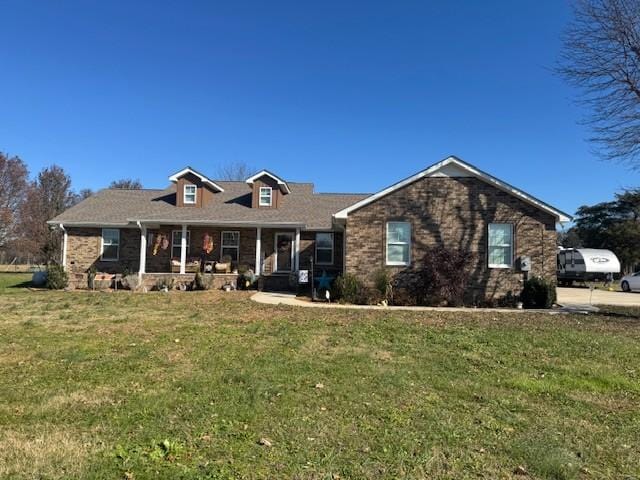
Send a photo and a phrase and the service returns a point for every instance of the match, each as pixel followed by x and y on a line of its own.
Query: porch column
pixel 183 249
pixel 297 250
pixel 64 246
pixel 258 249
pixel 143 250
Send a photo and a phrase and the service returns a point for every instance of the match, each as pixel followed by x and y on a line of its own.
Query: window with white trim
pixel 324 248
pixel 230 245
pixel 500 245
pixel 398 243
pixel 190 193
pixel 110 244
pixel 176 243
pixel 266 194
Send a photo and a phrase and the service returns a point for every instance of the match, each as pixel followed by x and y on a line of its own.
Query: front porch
pixel 272 254
pixel 213 249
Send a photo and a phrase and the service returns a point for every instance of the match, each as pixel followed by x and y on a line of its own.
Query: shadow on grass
pixel 624 313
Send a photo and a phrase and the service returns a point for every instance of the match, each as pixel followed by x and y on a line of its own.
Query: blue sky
pixel 350 95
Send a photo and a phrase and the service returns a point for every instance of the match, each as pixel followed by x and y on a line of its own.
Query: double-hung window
pixel 110 244
pixel 230 245
pixel 190 192
pixel 266 194
pixel 176 243
pixel 324 248
pixel 398 243
pixel 500 245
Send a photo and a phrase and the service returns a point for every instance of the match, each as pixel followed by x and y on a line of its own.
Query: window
pixel 230 245
pixel 110 244
pixel 265 196
pixel 176 243
pixel 190 194
pixel 324 248
pixel 398 243
pixel 500 245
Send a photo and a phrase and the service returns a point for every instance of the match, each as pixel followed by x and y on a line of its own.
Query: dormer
pixel 268 190
pixel 193 189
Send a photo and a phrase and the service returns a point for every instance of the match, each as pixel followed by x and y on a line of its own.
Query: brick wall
pixel 84 249
pixel 454 212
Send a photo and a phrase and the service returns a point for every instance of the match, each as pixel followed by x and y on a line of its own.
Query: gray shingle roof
pixel 118 207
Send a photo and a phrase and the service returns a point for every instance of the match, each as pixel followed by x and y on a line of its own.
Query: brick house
pixel 277 228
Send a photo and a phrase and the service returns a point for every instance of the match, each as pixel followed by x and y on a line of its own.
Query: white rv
pixel 585 264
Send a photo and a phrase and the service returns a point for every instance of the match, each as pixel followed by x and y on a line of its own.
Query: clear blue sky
pixel 350 95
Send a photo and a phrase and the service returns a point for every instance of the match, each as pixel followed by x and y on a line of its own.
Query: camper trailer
pixel 585 265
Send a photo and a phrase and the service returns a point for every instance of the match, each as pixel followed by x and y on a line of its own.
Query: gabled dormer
pixel 193 189
pixel 268 190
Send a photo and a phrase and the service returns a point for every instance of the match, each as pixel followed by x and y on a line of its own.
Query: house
pixel 277 227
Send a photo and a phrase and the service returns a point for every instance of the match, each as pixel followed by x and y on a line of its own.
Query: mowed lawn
pixel 185 385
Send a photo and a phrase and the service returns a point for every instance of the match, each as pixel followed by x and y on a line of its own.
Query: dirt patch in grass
pixel 80 399
pixel 50 453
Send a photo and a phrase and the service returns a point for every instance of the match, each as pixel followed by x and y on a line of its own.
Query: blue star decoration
pixel 324 281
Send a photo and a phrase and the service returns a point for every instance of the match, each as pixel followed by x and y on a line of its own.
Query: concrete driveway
pixel 582 296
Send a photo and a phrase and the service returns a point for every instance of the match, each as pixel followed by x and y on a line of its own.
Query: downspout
pixel 64 246
pixel 143 250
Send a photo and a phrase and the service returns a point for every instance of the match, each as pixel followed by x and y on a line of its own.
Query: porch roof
pixel 302 208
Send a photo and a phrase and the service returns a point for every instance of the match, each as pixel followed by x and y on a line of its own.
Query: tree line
pixel 26 204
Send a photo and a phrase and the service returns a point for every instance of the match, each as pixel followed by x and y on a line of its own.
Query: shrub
pixel 444 276
pixel 131 281
pixel 382 283
pixel 165 283
pixel 57 278
pixel 201 282
pixel 246 279
pixel 538 293
pixel 404 296
pixel 351 289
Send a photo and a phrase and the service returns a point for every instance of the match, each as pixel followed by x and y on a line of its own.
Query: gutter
pixel 64 245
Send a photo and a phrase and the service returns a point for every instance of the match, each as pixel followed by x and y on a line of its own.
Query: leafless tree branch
pixel 601 57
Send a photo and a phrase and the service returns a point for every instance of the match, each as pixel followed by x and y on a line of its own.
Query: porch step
pixel 277 283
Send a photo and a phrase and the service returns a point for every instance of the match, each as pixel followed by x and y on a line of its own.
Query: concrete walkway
pixel 583 296
pixel 275 298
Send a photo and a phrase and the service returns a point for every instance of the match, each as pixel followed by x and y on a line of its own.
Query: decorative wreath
pixel 207 243
pixel 161 242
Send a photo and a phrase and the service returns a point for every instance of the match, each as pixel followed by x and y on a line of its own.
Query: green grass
pixel 103 385
pixel 14 282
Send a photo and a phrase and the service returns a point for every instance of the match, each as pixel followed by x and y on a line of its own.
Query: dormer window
pixel 266 196
pixel 190 192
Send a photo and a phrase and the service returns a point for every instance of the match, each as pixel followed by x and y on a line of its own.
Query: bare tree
pixel 49 195
pixel 234 171
pixel 601 57
pixel 13 187
pixel 126 184
pixel 84 194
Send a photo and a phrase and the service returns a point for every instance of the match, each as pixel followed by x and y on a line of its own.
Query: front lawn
pixel 185 385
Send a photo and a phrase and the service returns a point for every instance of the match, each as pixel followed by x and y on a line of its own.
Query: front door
pixel 284 251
